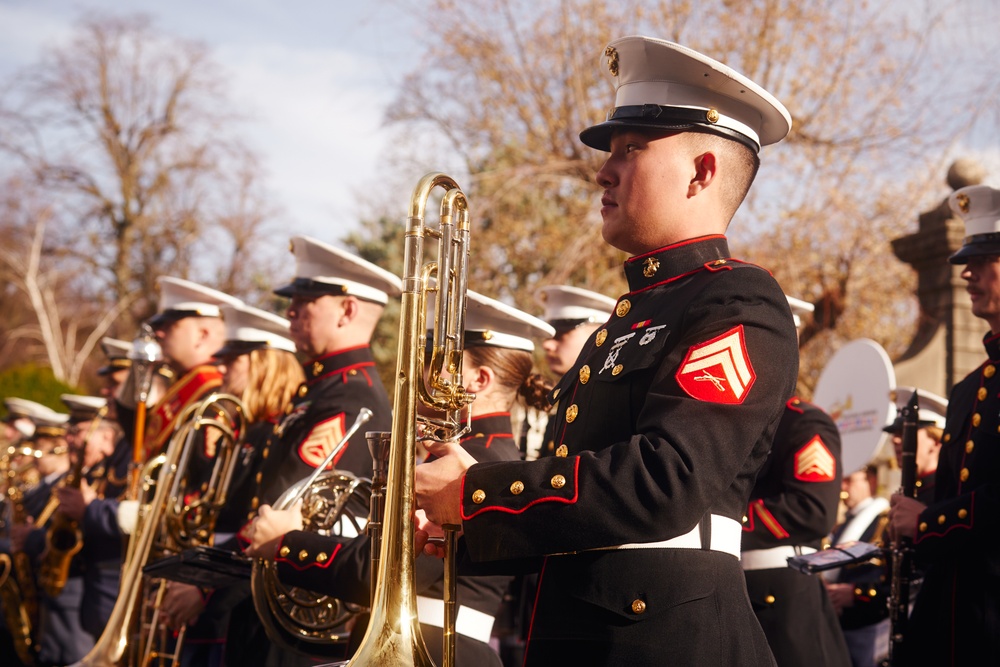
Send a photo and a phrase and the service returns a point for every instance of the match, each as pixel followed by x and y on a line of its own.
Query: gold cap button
pixel 769 599
pixel 321 557
pixel 303 554
pixel 964 475
pixel 969 446
pixel 558 482
pixel 517 487
pixel 638 606
pixel 585 374
pixel 284 551
pixel 571 413
pixel 712 116
pixel 962 513
pixel 563 451
pixel 478 496
pixel 976 418
pixel 621 310
pixel 990 370
pixel 617 369
pixel 922 526
pixel 981 394
pixel 941 520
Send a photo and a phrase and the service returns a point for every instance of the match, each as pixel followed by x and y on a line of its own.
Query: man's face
pixel 314 323
pixel 236 374
pixel 98 438
pixel 179 341
pixel 645 178
pixel 854 488
pixel 927 450
pixel 562 350
pixel 982 277
pixel 53 456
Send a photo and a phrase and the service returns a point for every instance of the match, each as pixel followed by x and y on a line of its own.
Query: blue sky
pixel 302 70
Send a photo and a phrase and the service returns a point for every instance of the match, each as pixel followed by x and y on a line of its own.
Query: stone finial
pixel 965 171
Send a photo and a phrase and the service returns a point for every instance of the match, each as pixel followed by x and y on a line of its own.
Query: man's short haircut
pixel 743 165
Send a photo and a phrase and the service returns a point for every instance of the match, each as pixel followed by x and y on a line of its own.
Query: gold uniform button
pixel 516 488
pixel 650 267
pixel 585 374
pixel 555 393
pixel 962 513
pixel 922 526
pixel 254 503
pixel 303 554
pixel 260 476
pixel 858 591
pixel 558 482
pixel 969 446
pixel 872 592
pixel 303 390
pixel 941 520
pixel 769 599
pixel 638 606
pixel 990 370
pixel 284 551
pixel 964 475
pixel 981 394
pixel 264 453
pixel 552 445
pixel 317 368
pixel 321 557
pixel 478 496
pixel 976 418
pixel 602 336
pixel 563 451
pixel 571 413
pixel 617 369
pixel 621 310
pixel 353 371
pixel 947 437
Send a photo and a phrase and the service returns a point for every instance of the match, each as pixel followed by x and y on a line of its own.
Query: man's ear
pixel 705 169
pixel 350 307
pixel 479 378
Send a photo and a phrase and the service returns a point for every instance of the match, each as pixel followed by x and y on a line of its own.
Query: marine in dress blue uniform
pixel 956 617
pixel 669 412
pixel 793 506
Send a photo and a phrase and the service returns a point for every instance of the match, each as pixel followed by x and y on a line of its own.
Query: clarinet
pixel 902 548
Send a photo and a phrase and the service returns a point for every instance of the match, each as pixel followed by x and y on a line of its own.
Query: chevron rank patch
pixel 718 370
pixel 321 441
pixel 815 463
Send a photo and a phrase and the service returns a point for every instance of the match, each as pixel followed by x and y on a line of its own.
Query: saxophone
pixel 17 588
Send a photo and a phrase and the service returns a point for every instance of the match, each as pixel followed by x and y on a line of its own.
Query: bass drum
pixel 336 504
pixel 856 390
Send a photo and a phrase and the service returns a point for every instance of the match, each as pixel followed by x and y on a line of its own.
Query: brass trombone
pixel 393 636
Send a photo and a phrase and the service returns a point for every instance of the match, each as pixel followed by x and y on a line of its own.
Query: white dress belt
pixel 775 557
pixel 469 622
pixel 726 535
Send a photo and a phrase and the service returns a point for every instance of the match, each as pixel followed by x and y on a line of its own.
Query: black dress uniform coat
pixel 337 386
pixel 342 568
pixel 794 505
pixel 956 617
pixel 663 424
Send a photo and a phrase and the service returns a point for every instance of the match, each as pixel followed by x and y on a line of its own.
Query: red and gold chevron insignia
pixel 718 370
pixel 321 441
pixel 815 463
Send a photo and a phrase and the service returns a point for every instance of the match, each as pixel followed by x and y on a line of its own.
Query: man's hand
pixel 270 526
pixel 438 483
pixel 181 604
pixel 73 502
pixel 903 515
pixel 841 596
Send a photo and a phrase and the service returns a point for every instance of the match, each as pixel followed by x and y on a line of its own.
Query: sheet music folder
pixel 204 566
pixel 836 556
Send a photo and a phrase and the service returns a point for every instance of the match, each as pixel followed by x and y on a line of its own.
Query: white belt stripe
pixel 768 559
pixel 726 536
pixel 468 621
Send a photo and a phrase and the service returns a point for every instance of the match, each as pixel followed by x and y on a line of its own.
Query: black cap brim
pixel 309 287
pixel 236 348
pixel 975 250
pixel 167 317
pixel 660 118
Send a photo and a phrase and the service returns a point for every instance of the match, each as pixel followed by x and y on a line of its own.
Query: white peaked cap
pixel 491 322
pixel 663 85
pixel 84 408
pixel 931 408
pixel 799 308
pixel 252 328
pixel 564 302
pixel 183 298
pixel 321 268
pixel 979 208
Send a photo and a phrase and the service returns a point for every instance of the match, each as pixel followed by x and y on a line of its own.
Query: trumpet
pixel 393 635
pixel 175 513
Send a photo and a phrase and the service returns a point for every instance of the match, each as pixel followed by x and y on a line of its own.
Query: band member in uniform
pixel 497 367
pixel 793 506
pixel 956 614
pixel 669 411
pixel 114 372
pixel 337 300
pixel 259 367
